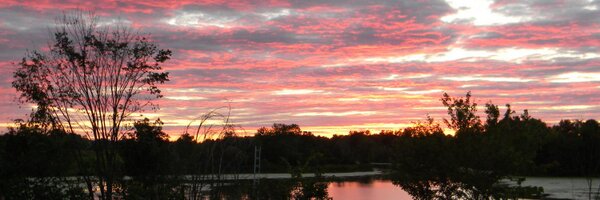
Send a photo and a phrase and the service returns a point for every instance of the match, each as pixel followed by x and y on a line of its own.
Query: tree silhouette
pixel 492 113
pixel 90 81
pixel 280 129
pixel 462 113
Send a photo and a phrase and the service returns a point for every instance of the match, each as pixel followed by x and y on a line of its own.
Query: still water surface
pixel 377 189
pixel 555 187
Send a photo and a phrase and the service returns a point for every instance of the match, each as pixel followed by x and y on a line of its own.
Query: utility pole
pixel 256 181
pixel 257 150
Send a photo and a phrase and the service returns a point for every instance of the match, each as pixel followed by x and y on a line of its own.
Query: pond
pixel 345 186
pixel 564 187
pixel 375 189
pixel 382 189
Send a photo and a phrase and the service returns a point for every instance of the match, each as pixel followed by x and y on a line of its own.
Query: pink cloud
pixel 331 64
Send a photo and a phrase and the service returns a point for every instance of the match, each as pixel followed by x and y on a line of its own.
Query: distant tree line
pixel 477 156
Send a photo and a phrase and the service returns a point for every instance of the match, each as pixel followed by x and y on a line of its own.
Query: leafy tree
pixel 90 81
pixel 425 162
pixel 462 113
pixel 492 113
pixel 590 133
pixel 280 129
pixel 34 163
pixel 146 154
pixel 147 159
pixel 421 129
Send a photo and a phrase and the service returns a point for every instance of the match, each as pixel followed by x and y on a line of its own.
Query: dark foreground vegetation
pixel 38 163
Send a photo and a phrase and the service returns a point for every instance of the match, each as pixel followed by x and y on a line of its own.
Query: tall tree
pixel 90 80
pixel 462 113
pixel 492 113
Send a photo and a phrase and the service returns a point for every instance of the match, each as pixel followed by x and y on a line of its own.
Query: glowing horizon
pixel 335 66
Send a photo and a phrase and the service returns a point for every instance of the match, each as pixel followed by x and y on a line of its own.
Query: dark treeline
pixel 480 153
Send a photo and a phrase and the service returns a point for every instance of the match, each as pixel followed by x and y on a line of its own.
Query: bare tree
pixel 90 81
pixel 212 161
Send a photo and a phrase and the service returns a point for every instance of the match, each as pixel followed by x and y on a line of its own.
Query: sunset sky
pixel 334 66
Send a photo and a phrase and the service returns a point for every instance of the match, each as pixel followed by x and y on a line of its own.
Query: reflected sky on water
pixel 376 189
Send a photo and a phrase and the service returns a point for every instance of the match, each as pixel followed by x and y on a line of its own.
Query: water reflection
pixel 373 189
pixel 295 188
pixel 381 187
pixel 467 187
